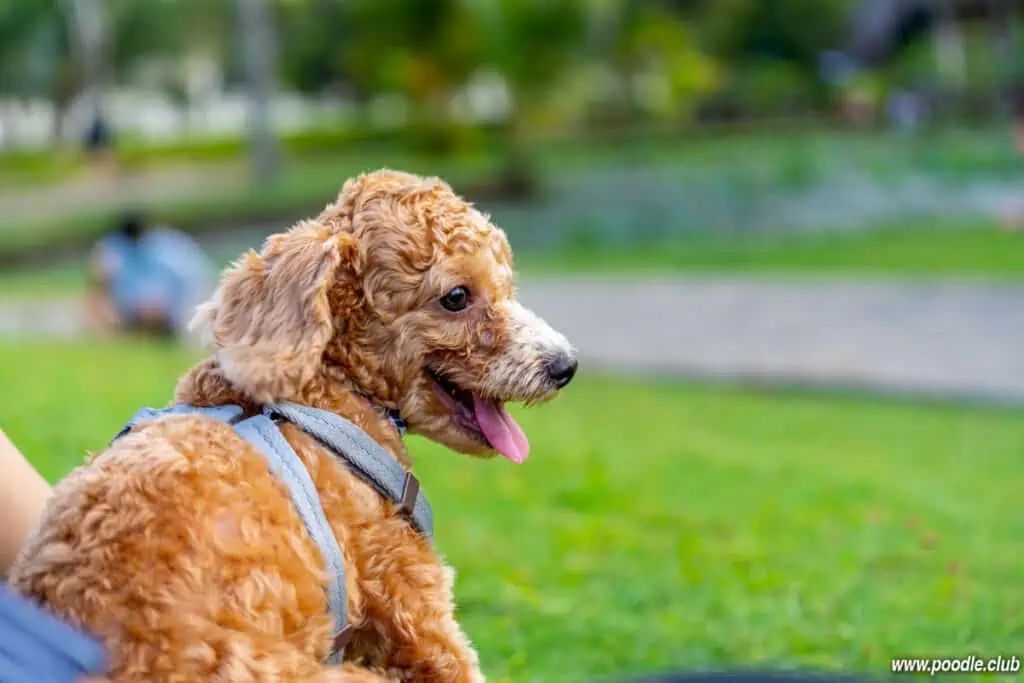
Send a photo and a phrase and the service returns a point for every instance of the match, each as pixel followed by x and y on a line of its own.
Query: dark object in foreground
pixel 36 647
pixel 752 677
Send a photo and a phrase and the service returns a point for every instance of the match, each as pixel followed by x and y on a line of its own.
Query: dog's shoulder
pixel 177 524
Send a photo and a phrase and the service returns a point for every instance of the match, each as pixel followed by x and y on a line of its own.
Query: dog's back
pixel 178 534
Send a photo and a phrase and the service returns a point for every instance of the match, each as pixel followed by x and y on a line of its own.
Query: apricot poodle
pixel 181 551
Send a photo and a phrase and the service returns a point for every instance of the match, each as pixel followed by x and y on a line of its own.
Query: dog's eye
pixel 456 300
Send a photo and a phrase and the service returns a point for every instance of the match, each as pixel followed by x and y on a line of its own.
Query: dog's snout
pixel 562 368
pixel 540 360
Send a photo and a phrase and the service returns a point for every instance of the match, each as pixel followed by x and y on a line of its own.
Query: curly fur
pixel 180 550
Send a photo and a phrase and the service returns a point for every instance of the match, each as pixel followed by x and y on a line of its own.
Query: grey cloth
pixel 362 455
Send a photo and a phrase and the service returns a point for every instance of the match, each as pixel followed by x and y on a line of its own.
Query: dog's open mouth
pixel 484 419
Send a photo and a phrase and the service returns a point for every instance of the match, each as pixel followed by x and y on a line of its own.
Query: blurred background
pixel 784 235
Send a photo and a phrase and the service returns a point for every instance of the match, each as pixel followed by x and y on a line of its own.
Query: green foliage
pixel 987 70
pixel 789 30
pixel 141 29
pixel 660 525
pixel 530 42
pixel 775 46
pixel 564 62
pixel 663 72
pixel 421 49
pixel 313 37
pixel 34 49
pixel 39 57
pixel 770 86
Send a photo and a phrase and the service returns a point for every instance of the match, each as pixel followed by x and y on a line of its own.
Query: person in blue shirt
pixel 147 279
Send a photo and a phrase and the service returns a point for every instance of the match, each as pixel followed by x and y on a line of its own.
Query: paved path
pixel 956 340
pixel 953 340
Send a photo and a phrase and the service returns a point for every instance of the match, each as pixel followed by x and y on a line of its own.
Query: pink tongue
pixel 501 430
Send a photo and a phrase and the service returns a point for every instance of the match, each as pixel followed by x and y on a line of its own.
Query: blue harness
pixel 363 456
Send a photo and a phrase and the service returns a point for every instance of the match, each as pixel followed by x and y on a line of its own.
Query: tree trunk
pixel 1004 54
pixel 259 57
pixel 8 115
pixel 62 94
pixel 950 56
pixel 88 33
pixel 519 174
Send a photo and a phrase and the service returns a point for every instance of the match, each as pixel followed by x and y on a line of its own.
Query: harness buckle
pixel 406 506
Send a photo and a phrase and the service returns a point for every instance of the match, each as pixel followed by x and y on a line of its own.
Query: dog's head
pixel 404 292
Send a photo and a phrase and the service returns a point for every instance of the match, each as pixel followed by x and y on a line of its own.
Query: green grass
pixel 976 250
pixel 53 282
pixel 664 525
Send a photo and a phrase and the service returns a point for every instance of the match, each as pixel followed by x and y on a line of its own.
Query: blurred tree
pixel 661 68
pixel 424 50
pixel 797 31
pixel 762 40
pixel 167 28
pixel 259 56
pixel 35 54
pixel 533 44
pixel 89 33
pixel 63 50
pixel 314 35
pixel 428 52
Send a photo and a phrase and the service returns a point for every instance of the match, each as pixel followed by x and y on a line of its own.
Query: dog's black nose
pixel 562 369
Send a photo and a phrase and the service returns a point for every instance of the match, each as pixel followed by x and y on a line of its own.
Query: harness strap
pixel 366 458
pixel 264 435
pixel 229 414
pixel 363 456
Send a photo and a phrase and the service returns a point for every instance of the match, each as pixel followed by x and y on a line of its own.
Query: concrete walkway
pixel 938 339
pixel 952 340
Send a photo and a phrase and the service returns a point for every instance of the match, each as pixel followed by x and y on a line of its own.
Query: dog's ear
pixel 270 319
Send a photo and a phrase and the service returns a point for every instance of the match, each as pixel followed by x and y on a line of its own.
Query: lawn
pixel 972 250
pixel 664 525
pixel 980 251
pixel 52 282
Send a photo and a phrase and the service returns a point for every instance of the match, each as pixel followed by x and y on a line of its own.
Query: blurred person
pixel 98 143
pixel 98 139
pixel 147 279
